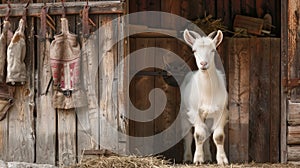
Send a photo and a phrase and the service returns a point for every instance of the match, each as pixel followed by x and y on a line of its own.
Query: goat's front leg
pixel 219 138
pixel 200 136
pixel 187 141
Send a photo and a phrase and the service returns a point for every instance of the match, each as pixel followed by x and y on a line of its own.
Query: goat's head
pixel 204 48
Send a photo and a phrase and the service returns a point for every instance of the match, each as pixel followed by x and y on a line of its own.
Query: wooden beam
pixel 72 8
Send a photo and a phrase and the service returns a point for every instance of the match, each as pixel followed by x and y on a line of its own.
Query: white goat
pixel 204 99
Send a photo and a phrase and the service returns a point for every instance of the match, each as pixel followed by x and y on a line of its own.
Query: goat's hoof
pixel 187 158
pixel 222 160
pixel 187 162
pixel 198 161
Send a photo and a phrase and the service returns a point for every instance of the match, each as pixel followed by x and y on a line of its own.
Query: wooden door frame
pixel 284 60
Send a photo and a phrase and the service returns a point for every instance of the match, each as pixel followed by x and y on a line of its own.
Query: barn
pixel 261 64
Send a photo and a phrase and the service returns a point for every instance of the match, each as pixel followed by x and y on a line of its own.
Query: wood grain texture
pixel 293 136
pixel 66 120
pixel 168 115
pixel 172 7
pixel 293 153
pixel 259 101
pixel 275 100
pixel 97 7
pixel 3 132
pixel 88 117
pixel 108 112
pixel 123 83
pixel 239 90
pixel 284 73
pixel 21 135
pixel 293 116
pixel 142 87
pixel 46 114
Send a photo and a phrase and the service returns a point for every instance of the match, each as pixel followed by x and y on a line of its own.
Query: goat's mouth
pixel 204 68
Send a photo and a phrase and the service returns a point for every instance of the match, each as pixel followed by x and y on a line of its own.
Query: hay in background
pixel 208 24
pixel 122 162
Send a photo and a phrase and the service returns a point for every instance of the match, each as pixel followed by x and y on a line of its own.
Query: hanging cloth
pixel 16 52
pixel 65 66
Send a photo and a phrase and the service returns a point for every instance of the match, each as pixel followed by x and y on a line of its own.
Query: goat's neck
pixel 209 81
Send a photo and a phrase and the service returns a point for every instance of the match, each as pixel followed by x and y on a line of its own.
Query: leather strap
pixel 85 21
pixel 5 109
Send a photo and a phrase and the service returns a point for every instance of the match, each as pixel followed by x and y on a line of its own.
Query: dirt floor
pixel 156 162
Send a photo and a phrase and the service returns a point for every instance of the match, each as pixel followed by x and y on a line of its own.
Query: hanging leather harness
pixel 65 66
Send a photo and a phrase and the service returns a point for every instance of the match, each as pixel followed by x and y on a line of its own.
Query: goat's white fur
pixel 204 100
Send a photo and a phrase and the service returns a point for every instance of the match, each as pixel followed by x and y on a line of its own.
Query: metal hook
pixel 87 3
pixel 25 10
pixel 8 11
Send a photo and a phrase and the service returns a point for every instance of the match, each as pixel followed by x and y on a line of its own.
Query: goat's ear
pixel 217 37
pixel 189 39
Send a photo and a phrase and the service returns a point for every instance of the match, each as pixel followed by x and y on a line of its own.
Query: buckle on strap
pixel 67 93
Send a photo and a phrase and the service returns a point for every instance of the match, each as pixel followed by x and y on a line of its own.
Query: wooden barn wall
pixel 291 68
pixel 224 9
pixel 33 131
pixel 252 67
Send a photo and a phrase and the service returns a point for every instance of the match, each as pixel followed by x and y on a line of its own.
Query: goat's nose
pixel 203 63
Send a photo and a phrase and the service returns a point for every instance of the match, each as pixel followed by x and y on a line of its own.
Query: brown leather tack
pixel 65 66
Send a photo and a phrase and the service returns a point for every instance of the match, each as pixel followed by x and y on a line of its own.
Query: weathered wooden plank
pixel 46 114
pixel 284 74
pixel 292 40
pixel 21 136
pixel 260 6
pixel 222 51
pixel 108 115
pixel 293 153
pixel 227 14
pixel 3 133
pixel 168 115
pixel 293 136
pixel 140 89
pixel 195 9
pixel 123 83
pixel 248 7
pixel 172 7
pixel 132 94
pixel 88 117
pixel 239 89
pixel 66 120
pixel 235 8
pixel 97 7
pixel 259 147
pixel 274 100
pixel 210 8
pixel 293 113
